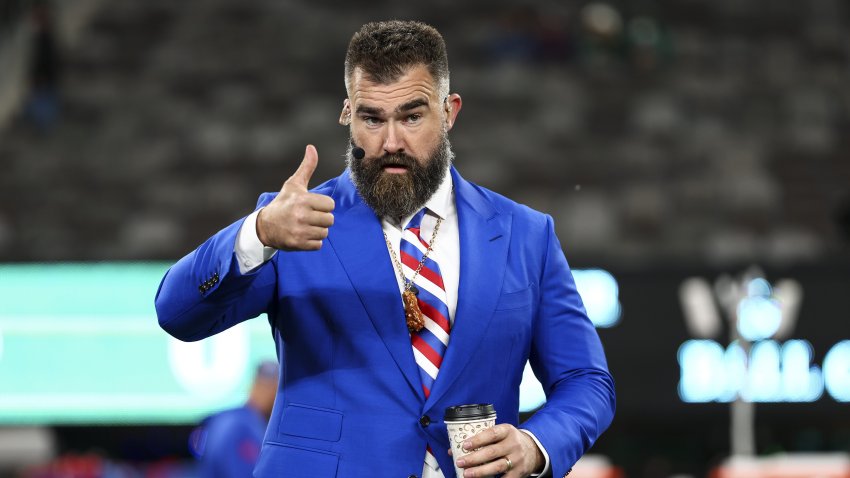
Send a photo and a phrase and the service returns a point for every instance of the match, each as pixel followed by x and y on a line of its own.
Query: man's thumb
pixel 308 166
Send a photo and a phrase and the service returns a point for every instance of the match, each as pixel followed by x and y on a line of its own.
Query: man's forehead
pixel 416 83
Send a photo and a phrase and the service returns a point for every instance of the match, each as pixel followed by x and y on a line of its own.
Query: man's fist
pixel 297 220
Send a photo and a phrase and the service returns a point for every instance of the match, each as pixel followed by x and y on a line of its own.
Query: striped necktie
pixel 429 344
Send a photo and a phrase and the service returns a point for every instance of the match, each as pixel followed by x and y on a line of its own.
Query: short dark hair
pixel 385 50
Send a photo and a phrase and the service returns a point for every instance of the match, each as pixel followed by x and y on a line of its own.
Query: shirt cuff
pixel 250 252
pixel 542 450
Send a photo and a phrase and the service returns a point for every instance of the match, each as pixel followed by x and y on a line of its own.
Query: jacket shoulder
pixel 527 216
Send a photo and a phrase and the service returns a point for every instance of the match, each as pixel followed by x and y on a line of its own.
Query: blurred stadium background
pixel 694 154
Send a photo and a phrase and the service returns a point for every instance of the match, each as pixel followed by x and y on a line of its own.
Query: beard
pixel 398 195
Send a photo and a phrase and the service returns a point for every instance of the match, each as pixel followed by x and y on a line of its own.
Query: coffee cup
pixel 464 422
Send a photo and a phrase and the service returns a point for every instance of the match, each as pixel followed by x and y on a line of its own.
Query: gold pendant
pixel 412 314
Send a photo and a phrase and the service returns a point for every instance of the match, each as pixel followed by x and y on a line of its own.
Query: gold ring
pixel 510 463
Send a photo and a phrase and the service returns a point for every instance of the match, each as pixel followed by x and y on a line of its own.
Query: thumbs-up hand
pixel 297 220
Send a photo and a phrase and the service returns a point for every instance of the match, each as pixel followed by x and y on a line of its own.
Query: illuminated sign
pixel 755 366
pixel 81 344
pixel 771 372
pixel 600 293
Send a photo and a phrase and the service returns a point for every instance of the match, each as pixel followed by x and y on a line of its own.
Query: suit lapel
pixel 356 237
pixel 484 239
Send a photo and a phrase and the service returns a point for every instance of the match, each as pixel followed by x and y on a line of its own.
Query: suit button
pixel 425 420
pixel 412 476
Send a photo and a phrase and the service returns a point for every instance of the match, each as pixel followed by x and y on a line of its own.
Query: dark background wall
pixel 654 131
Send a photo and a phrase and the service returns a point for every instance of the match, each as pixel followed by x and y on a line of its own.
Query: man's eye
pixel 414 118
pixel 371 120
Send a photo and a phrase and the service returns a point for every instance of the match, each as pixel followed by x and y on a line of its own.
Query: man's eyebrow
pixel 412 104
pixel 370 110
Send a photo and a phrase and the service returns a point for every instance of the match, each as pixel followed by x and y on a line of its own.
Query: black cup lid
pixel 469 412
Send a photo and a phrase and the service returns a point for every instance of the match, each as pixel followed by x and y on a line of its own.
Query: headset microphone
pixel 358 153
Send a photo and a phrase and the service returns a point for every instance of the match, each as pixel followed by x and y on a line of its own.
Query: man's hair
pixel 384 51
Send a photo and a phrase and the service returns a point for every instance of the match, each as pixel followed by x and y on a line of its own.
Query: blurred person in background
pixel 228 443
pixel 374 278
pixel 42 108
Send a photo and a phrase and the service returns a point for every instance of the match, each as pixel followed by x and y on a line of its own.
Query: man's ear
pixel 452 105
pixel 345 114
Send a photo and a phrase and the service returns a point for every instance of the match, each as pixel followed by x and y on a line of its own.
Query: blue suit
pixel 350 402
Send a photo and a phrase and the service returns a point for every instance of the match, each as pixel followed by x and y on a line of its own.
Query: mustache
pixel 396 159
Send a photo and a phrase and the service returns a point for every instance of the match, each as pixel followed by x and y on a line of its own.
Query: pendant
pixel 412 314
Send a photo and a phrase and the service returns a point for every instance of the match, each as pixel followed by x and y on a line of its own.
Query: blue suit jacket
pixel 350 402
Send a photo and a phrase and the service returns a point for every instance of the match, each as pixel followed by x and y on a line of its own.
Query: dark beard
pixel 398 195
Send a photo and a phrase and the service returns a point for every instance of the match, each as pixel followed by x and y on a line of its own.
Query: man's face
pixel 402 127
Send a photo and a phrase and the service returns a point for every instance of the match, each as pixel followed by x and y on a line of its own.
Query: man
pixel 370 359
pixel 228 443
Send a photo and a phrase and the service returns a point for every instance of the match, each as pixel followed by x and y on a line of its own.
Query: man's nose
pixel 394 142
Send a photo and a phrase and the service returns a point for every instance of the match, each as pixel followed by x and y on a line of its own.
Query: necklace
pixel 412 313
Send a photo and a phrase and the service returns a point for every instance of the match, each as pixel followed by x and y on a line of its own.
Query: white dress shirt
pixel 251 253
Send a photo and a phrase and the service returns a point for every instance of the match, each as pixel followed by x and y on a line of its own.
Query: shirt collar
pixel 441 201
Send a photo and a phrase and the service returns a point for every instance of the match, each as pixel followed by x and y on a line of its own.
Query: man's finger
pixel 308 166
pixel 320 202
pixel 483 456
pixel 316 233
pixel 320 219
pixel 312 245
pixel 488 436
pixel 493 468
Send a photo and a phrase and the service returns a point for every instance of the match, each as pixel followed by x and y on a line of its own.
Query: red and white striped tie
pixel 429 344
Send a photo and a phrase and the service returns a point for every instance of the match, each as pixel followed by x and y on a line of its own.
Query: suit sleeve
pixel 205 293
pixel 567 358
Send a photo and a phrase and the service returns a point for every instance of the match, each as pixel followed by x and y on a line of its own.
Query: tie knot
pixel 416 220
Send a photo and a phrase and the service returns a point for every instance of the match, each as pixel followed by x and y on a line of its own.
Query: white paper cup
pixel 463 422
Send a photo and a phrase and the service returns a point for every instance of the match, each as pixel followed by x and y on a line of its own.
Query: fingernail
pixel 466 446
pixel 461 463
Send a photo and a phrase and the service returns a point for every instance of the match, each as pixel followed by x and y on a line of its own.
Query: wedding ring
pixel 510 463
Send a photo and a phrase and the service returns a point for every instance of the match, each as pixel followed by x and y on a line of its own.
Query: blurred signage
pixel 81 344
pixel 757 365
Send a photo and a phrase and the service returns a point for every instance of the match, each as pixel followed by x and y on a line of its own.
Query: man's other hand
pixel 496 443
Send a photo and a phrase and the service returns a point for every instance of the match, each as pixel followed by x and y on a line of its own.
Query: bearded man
pixel 398 289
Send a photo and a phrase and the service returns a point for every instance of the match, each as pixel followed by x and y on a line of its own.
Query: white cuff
pixel 250 252
pixel 542 450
